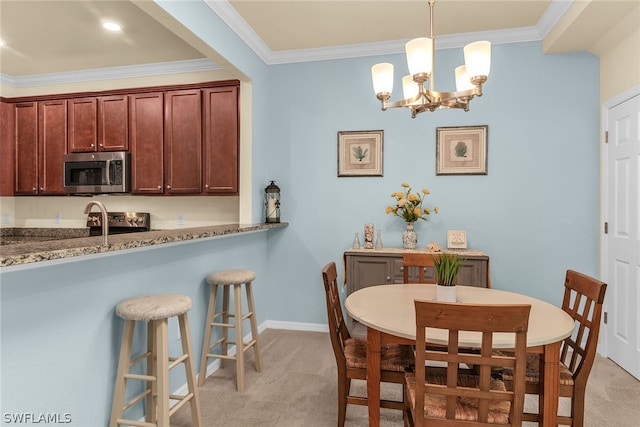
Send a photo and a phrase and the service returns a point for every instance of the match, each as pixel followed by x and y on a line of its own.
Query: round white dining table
pixel 388 312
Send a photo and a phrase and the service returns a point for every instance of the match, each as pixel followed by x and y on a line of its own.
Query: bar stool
pixel 155 310
pixel 228 278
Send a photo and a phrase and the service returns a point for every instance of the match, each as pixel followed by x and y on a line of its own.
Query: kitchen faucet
pixel 105 220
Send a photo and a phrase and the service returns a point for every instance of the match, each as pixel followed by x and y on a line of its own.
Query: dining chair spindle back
pixel 351 352
pixel 583 300
pixel 417 262
pixel 455 396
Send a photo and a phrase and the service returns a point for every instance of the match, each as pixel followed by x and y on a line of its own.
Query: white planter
pixel 446 293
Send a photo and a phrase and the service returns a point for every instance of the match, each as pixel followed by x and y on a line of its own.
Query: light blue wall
pixel 535 213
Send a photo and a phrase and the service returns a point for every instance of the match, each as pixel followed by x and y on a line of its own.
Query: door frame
pixel 604 213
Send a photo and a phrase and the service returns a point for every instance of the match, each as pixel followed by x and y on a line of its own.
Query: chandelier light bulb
pixel 419 53
pixel 382 76
pixel 463 81
pixel 409 87
pixel 477 58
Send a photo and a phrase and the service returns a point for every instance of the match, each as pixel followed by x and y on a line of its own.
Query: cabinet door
pixel 183 142
pixel 473 273
pixel 147 142
pixel 221 143
pixel 7 125
pixel 52 146
pixel 113 123
pixel 83 125
pixel 364 271
pixel 26 148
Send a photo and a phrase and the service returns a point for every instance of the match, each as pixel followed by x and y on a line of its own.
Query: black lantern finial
pixel 272 203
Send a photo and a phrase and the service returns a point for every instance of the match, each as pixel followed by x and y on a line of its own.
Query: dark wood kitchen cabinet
pixel 146 125
pixel 166 142
pixel 98 124
pixel 221 140
pixel 41 143
pixel 7 166
pixel 183 139
pixel 183 142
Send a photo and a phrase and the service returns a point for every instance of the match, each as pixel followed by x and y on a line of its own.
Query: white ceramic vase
pixel 409 237
pixel 445 293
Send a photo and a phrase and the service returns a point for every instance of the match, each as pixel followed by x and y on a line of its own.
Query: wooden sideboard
pixel 371 267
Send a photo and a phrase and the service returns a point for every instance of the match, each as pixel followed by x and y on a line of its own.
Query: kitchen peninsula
pixel 27 253
pixel 57 308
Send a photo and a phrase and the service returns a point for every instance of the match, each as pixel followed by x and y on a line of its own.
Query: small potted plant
pixel 446 266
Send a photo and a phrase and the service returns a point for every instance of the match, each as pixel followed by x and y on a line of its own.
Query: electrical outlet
pixel 57 217
pixel 6 218
pixel 180 219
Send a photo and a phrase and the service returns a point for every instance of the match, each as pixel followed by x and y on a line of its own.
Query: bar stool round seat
pixel 154 307
pixel 228 279
pixel 231 277
pixel 155 310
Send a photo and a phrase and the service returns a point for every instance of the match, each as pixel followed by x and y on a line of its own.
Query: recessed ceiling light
pixel 111 26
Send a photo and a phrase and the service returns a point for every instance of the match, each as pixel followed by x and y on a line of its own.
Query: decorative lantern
pixel 272 202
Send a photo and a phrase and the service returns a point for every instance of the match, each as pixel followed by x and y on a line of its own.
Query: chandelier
pixel 421 60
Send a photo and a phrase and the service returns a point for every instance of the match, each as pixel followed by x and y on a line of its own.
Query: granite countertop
pixel 30 247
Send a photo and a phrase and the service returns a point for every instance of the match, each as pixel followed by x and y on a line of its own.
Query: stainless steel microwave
pixel 96 173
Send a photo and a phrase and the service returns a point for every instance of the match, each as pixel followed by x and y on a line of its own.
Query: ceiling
pixel 44 37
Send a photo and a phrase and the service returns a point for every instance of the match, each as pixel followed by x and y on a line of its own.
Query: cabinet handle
pixel 206 186
pixel 159 187
pixel 34 189
pixel 388 279
pixel 168 186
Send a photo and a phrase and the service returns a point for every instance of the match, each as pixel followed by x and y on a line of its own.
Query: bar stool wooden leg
pixel 239 342
pixel 206 345
pixel 254 327
pixel 196 416
pixel 224 350
pixel 123 368
pixel 152 367
pixel 162 371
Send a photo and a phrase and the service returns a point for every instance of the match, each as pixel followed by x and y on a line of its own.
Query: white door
pixel 621 269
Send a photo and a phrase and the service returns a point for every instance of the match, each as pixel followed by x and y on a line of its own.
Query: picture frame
pixel 456 239
pixel 461 150
pixel 360 153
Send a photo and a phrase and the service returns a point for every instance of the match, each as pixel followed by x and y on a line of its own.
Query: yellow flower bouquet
pixel 409 205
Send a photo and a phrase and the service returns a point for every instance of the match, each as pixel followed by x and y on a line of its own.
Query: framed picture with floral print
pixel 461 150
pixel 360 153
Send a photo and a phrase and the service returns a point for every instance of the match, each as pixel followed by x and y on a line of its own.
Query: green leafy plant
pixel 447 266
pixel 409 205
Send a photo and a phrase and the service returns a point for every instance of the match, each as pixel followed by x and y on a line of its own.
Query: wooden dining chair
pixel 417 262
pixel 351 353
pixel 583 299
pixel 452 396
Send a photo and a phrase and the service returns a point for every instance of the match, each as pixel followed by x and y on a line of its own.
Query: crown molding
pixel 144 70
pixel 230 16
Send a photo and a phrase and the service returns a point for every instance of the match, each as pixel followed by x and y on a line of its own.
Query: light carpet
pixel 298 387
